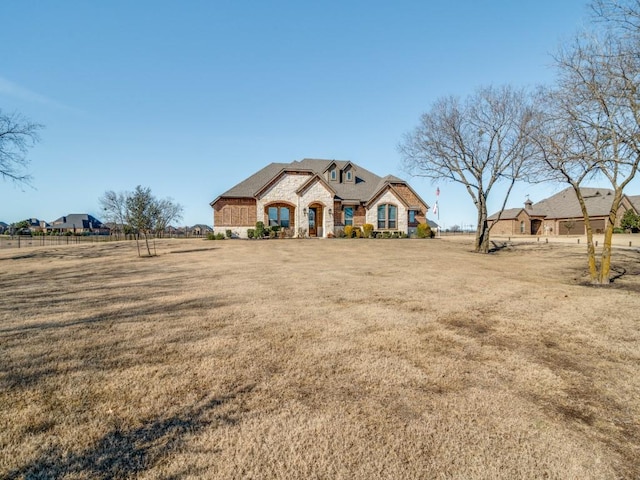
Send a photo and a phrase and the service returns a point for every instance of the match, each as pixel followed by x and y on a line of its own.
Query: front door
pixel 313 228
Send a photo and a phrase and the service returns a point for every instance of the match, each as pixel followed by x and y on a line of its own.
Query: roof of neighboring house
pixel 565 204
pixel 3 225
pixel 77 220
pixel 365 183
pixel 34 222
pixel 507 214
pixel 201 226
pixel 635 201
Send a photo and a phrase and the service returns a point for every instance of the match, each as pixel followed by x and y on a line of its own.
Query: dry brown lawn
pixel 327 359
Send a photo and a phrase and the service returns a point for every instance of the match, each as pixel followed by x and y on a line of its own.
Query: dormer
pixel 348 174
pixel 332 174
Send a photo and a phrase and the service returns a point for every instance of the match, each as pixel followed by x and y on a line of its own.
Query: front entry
pixel 315 221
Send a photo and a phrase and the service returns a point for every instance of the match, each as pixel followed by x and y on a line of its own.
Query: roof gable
pixel 386 187
pixel 312 181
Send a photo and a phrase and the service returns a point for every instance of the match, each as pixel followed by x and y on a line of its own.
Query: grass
pixel 317 359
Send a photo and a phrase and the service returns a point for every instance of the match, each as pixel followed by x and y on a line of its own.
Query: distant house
pixel 3 227
pixel 317 197
pixel 200 229
pixel 79 224
pixel 560 214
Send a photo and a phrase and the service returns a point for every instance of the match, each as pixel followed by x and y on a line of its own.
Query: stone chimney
pixel 528 205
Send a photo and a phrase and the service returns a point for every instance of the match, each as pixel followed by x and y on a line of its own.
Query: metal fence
pixel 26 241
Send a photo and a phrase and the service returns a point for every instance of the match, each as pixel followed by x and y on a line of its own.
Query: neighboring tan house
pixel 3 227
pixel 78 224
pixel 199 230
pixel 560 214
pixel 316 197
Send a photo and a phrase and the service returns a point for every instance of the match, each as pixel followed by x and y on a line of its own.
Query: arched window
pixel 387 216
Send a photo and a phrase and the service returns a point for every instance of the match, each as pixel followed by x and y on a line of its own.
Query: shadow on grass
pixel 123 453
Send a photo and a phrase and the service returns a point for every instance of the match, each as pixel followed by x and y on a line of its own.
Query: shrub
pixel 259 232
pixel 228 233
pixel 251 233
pixel 348 231
pixel 220 236
pixel 211 236
pixel 618 230
pixel 367 230
pixel 630 221
pixel 357 232
pixel 424 231
pixel 339 233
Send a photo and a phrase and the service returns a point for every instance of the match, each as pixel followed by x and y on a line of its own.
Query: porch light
pixel 330 212
pixel 304 211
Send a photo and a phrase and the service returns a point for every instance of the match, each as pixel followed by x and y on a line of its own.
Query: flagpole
pixel 437 210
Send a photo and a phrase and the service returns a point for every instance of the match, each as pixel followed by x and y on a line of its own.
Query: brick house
pixel 316 198
pixel 560 214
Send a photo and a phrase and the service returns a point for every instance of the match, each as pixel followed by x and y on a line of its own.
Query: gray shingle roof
pixel 365 185
pixel 565 205
pixel 635 201
pixel 507 214
pixel 77 220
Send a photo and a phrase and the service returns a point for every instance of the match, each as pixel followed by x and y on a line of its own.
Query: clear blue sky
pixel 189 98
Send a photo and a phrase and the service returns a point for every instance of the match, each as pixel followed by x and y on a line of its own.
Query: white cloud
pixel 14 90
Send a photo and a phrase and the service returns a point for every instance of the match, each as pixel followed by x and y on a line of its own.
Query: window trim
pixel 278 220
pixel 346 220
pixel 386 220
pixel 413 222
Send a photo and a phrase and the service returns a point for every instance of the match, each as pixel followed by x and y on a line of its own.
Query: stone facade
pixel 389 198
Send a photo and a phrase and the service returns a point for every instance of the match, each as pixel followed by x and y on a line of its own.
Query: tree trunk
pixel 605 258
pixel 138 242
pixel 146 240
pixel 482 234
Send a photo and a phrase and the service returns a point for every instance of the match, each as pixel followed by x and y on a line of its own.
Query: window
pixel 348 215
pixel 387 216
pixel 279 216
pixel 412 217
pixel 333 174
pixel 522 227
pixel 349 175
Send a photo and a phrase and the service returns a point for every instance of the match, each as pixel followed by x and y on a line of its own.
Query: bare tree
pixel 477 142
pixel 592 122
pixel 114 207
pixel 17 135
pixel 168 212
